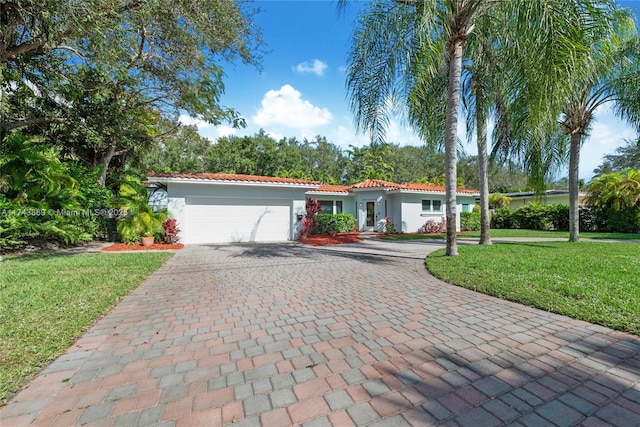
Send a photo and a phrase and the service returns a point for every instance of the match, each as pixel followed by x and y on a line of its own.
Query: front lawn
pixel 47 301
pixel 506 233
pixel 594 281
pixel 509 233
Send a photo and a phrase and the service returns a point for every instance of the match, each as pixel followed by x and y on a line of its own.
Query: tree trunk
pixel 574 209
pixel 106 160
pixel 483 171
pixel 451 144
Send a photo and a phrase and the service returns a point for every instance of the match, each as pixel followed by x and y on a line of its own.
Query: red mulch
pixel 118 247
pixel 325 239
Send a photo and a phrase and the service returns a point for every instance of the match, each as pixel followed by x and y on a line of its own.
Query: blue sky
pixel 301 90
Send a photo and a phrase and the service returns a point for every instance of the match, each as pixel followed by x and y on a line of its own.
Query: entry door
pixel 371 214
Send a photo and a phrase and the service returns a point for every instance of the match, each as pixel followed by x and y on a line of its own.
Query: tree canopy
pixel 91 70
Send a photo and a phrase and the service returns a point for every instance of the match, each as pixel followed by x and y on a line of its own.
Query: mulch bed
pixel 120 247
pixel 325 239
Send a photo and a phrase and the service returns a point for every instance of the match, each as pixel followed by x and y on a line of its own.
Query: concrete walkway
pixel 284 334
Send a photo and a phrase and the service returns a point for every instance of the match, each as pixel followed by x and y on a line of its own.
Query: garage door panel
pixel 219 220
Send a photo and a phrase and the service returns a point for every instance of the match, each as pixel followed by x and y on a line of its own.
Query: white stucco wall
pixel 179 191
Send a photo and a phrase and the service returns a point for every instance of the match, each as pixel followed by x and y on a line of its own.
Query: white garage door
pixel 222 220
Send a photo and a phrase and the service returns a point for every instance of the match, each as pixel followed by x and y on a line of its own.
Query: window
pixel 326 205
pixel 338 206
pixel 465 207
pixel 431 206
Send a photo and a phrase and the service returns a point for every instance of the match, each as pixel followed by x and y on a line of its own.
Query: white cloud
pixel 192 121
pixel 315 66
pixel 208 130
pixel 286 107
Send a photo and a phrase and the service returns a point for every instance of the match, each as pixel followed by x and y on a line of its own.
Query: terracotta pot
pixel 147 240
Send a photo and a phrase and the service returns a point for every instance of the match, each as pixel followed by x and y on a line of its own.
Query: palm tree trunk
pixel 483 172
pixel 574 210
pixel 450 143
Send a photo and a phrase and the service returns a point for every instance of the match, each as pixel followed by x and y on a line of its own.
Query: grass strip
pixel 47 301
pixel 509 233
pixel 594 281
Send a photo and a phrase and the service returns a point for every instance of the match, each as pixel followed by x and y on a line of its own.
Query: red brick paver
pixel 283 334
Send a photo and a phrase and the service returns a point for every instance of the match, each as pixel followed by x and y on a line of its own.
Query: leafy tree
pixel 369 162
pixel 181 151
pixel 411 163
pixel 625 157
pixel 127 63
pixel 324 161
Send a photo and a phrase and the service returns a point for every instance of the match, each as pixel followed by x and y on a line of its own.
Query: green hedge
pixel 556 217
pixel 470 221
pixel 344 222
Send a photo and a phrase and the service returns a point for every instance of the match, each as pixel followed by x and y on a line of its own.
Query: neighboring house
pixel 220 208
pixel 549 197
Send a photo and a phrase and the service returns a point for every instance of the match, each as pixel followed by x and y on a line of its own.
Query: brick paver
pixel 283 334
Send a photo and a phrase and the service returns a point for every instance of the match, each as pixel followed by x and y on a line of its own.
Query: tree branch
pixel 33 121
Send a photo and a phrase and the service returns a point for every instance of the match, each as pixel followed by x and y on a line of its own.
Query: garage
pixel 222 220
pixel 233 208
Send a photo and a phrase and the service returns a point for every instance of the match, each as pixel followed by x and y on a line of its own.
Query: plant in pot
pixel 141 223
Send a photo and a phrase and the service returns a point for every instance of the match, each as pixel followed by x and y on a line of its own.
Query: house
pixel 220 208
pixel 549 197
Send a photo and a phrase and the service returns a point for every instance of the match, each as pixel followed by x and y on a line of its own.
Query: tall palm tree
pixel 402 45
pixel 610 75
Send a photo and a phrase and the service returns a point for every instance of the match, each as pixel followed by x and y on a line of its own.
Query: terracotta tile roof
pixel 369 183
pixel 334 188
pixel 375 183
pixel 430 187
pixel 232 177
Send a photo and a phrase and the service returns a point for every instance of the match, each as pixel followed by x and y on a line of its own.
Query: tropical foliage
pixel 616 198
pixel 138 217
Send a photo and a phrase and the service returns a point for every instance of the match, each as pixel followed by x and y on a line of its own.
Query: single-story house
pixel 221 208
pixel 549 197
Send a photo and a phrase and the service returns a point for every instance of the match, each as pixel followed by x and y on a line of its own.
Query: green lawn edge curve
pixel 598 282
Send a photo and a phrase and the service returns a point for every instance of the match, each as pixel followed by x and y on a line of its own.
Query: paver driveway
pixel 284 334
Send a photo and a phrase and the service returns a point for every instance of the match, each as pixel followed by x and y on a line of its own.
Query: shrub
pixel 345 223
pixel 532 217
pixel 389 227
pixel 312 207
pixel 433 226
pixel 558 217
pixel 170 231
pixel 622 221
pixel 470 221
pixel 592 218
pixel 503 218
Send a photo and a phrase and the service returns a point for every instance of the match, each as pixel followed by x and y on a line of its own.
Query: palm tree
pixel 408 47
pixel 610 75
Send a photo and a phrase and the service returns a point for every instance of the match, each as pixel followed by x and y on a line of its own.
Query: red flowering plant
pixel 432 226
pixel 312 207
pixel 389 227
pixel 170 231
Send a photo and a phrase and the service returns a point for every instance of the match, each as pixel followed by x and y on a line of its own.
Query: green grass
pixel 47 301
pixel 507 233
pixel 594 281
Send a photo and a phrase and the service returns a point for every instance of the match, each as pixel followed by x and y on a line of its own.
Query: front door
pixel 371 215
